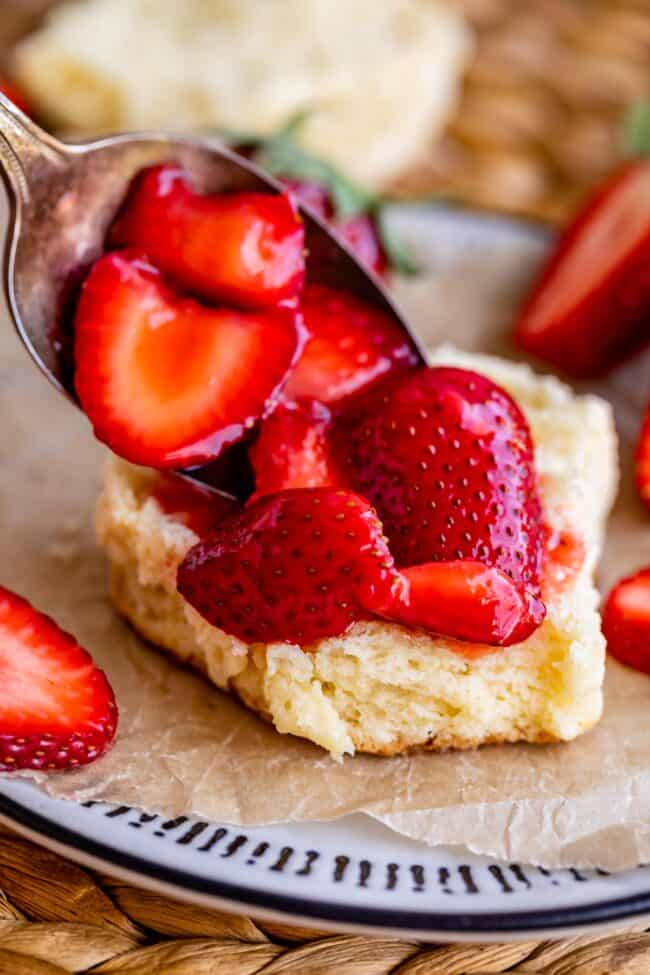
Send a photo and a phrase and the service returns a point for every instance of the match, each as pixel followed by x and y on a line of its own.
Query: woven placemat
pixel 57 918
pixel 541 115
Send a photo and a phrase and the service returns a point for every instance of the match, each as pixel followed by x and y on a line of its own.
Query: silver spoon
pixel 63 198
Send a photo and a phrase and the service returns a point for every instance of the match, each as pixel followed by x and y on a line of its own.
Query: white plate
pixel 352 874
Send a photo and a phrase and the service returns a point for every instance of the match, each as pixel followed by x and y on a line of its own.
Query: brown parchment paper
pixel 184 747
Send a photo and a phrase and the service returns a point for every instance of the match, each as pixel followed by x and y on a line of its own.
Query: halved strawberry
pixel 626 621
pixel 465 600
pixel 165 381
pixel 352 345
pixel 293 450
pixel 642 460
pixel 200 508
pixel 446 458
pixel 57 710
pixel 246 248
pixel 591 304
pixel 295 566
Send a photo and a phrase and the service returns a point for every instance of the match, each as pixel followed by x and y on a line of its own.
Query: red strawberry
pixel 200 508
pixel 446 458
pixel 352 345
pixel 57 710
pixel 642 460
pixel 360 232
pixel 295 566
pixel 247 248
pixel 591 304
pixel 311 194
pixel 15 93
pixel 626 621
pixel 293 449
pixel 465 600
pixel 165 381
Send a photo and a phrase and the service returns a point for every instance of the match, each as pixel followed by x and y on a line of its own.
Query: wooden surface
pixel 57 918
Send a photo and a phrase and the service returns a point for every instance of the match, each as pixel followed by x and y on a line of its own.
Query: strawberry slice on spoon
pixel 591 304
pixel 167 382
pixel 246 248
pixel 57 710
pixel 352 344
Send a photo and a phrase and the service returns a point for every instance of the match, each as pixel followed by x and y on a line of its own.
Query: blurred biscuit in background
pixel 379 78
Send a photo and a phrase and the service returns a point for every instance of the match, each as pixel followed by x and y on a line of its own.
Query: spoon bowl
pixel 63 198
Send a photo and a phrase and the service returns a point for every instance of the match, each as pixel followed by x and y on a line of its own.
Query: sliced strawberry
pixel 591 304
pixel 626 621
pixel 57 710
pixel 200 508
pixel 642 460
pixel 295 566
pixel 293 449
pixel 465 600
pixel 446 458
pixel 14 92
pixel 165 381
pixel 247 248
pixel 352 345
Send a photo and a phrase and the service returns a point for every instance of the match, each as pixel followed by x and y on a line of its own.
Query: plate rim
pixel 240 898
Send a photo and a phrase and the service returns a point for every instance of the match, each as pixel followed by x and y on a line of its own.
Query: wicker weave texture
pixel 541 115
pixel 57 918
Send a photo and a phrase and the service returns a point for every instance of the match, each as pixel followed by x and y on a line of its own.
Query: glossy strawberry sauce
pixel 564 554
pixel 196 507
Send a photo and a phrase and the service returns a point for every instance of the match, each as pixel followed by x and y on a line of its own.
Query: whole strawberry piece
pixel 165 381
pixel 293 449
pixel 295 566
pixel 246 248
pixel 57 710
pixel 642 460
pixel 626 621
pixel 446 458
pixel 591 304
pixel 352 344
pixel 465 600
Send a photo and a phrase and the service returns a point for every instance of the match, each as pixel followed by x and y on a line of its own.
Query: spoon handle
pixel 26 151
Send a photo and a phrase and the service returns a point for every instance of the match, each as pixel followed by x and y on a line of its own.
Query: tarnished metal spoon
pixel 63 198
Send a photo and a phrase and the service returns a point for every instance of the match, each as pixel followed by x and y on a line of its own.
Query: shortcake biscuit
pixel 383 688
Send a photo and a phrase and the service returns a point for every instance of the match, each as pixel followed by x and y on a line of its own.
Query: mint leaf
pixel 636 130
